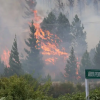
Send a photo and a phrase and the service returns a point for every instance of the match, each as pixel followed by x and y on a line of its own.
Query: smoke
pixel 87 11
pixel 12 22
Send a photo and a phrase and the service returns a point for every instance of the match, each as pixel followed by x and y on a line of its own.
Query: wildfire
pixel 48 42
pixel 5 57
pixel 77 73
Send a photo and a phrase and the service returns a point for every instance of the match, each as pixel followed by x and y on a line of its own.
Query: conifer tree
pixel 79 36
pixel 14 62
pixel 2 67
pixel 63 29
pixel 34 60
pixel 97 57
pixel 49 22
pixel 71 66
pixel 92 53
pixel 85 64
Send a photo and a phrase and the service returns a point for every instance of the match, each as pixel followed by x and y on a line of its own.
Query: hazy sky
pixel 90 21
pixel 11 12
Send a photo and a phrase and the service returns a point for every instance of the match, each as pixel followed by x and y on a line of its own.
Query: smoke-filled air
pixel 49 38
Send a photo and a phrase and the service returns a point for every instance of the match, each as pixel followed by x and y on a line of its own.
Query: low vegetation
pixel 27 88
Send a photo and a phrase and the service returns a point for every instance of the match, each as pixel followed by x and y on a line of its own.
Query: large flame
pixel 5 57
pixel 48 42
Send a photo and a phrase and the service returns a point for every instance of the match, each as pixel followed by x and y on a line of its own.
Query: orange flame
pixel 77 73
pixel 5 57
pixel 50 46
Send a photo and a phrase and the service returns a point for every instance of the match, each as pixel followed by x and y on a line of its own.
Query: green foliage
pixel 34 60
pixel 47 78
pixel 20 88
pixel 97 56
pixel 80 87
pixel 57 90
pixel 14 62
pixel 85 64
pixel 71 67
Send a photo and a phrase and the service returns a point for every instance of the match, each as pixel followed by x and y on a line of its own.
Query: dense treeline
pixel 25 87
pixel 71 34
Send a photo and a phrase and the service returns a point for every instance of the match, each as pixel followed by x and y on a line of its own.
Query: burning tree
pixel 34 60
pixel 85 63
pixel 14 62
pixel 71 67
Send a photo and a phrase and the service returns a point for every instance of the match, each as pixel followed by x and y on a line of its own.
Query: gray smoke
pixel 12 22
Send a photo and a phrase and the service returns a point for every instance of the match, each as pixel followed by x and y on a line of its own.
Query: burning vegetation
pixel 54 45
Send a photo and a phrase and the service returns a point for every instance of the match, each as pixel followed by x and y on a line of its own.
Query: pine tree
pixel 2 67
pixel 79 36
pixel 71 67
pixel 97 56
pixel 63 29
pixel 14 62
pixel 85 64
pixel 92 53
pixel 34 60
pixel 49 23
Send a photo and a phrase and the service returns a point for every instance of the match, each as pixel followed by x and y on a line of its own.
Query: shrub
pixel 18 88
pixel 62 89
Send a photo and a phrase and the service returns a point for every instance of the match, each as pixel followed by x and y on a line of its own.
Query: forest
pixel 55 56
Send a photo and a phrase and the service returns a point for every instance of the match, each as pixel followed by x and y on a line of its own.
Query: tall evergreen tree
pixel 2 67
pixel 85 64
pixel 49 23
pixel 34 60
pixel 92 53
pixel 63 29
pixel 14 62
pixel 97 56
pixel 71 66
pixel 79 36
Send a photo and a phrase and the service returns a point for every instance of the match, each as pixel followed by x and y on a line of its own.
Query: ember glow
pixel 48 42
pixel 5 57
pixel 77 73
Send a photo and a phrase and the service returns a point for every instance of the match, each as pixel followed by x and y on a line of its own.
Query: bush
pixel 18 88
pixel 62 89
